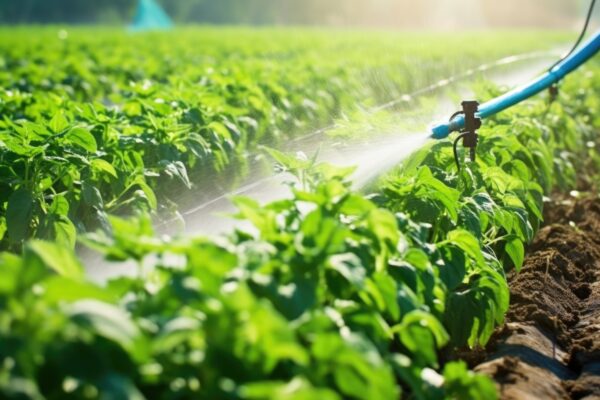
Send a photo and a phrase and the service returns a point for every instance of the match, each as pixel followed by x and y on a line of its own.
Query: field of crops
pixel 98 123
pixel 330 294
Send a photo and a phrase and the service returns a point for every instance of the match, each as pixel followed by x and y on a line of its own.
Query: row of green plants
pixel 100 122
pixel 331 294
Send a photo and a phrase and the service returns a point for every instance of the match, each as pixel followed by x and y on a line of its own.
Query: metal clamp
pixel 469 133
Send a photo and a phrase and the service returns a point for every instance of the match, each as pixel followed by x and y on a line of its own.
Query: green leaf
pixel 19 215
pixel 116 386
pixel 417 258
pixel 2 227
pixel 174 333
pixel 357 205
pixel 410 374
pixel 11 266
pixel 220 129
pixel 64 231
pixel 467 243
pixel 59 206
pixel 289 162
pixel 261 217
pixel 105 320
pixel 516 251
pixel 470 220
pixel 460 383
pixel 453 271
pixel 177 170
pixel 58 123
pixel 20 388
pixel 422 333
pixel 328 171
pixel 83 138
pixel 432 323
pixel 350 267
pixel 434 189
pixel 91 195
pixel 350 382
pixel 103 166
pixel 384 290
pixel 297 389
pixel 460 317
pixel 59 289
pixel 56 257
pixel 148 192
pixel 383 224
pixel 19 146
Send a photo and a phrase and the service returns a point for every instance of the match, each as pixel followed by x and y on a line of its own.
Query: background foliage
pixel 399 13
pixel 96 121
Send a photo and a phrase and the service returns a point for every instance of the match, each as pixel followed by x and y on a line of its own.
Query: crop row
pixel 334 294
pixel 96 122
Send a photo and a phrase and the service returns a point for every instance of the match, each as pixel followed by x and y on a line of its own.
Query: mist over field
pixel 397 14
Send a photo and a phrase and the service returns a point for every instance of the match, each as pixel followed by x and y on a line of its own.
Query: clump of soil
pixel 549 347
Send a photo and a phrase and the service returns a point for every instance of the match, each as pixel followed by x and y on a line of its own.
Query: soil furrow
pixel 549 347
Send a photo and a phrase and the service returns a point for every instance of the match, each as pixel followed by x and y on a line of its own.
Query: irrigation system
pixel 468 120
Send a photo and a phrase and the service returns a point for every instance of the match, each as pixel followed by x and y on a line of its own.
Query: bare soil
pixel 549 347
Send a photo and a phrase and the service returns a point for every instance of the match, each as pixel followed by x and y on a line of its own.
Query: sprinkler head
pixel 468 134
pixel 472 124
pixel 553 92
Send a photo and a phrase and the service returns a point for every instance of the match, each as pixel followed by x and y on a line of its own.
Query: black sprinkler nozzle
pixel 553 92
pixel 472 124
pixel 469 133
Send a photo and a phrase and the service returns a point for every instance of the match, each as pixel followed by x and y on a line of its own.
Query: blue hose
pixel 494 106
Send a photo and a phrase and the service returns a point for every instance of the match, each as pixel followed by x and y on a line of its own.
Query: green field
pixel 333 293
pixel 97 122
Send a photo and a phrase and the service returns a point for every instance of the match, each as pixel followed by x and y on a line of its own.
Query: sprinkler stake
pixel 553 92
pixel 472 124
pixel 469 132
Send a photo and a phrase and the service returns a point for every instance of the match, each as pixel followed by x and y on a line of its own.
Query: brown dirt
pixel 549 347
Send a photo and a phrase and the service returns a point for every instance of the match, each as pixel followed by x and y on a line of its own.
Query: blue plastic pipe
pixel 494 106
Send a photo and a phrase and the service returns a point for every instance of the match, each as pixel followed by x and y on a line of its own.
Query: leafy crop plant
pixel 333 294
